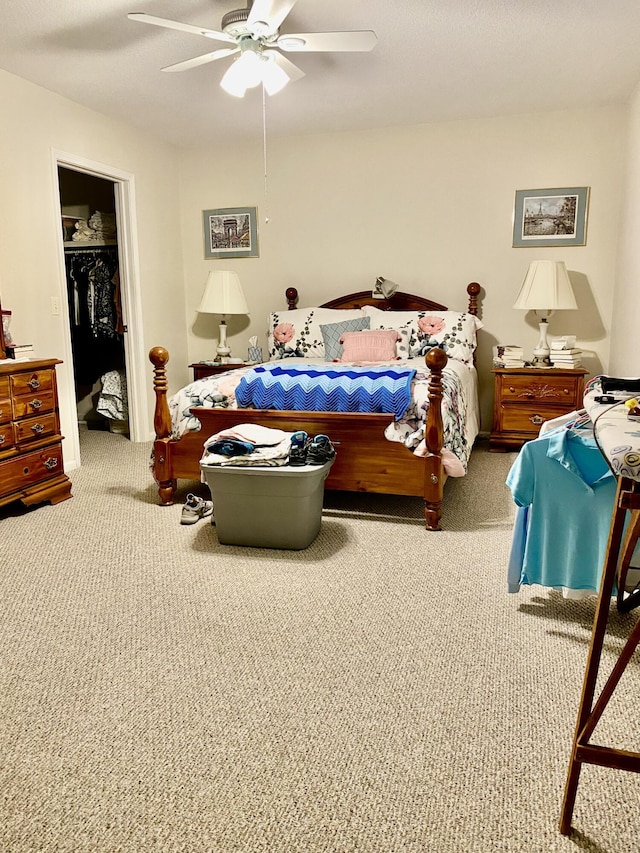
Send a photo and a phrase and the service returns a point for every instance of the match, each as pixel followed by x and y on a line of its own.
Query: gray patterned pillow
pixel 332 332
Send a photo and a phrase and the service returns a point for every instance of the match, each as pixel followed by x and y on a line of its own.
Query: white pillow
pixel 298 332
pixel 452 331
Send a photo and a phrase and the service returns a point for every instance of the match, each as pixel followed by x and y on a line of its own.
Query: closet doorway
pixel 82 183
pixel 94 301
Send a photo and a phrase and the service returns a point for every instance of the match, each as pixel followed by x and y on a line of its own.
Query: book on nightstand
pixel 509 355
pixel 566 357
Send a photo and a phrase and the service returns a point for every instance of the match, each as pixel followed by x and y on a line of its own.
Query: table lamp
pixel 223 295
pixel 546 288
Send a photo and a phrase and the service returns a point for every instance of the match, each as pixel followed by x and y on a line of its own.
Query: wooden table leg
pixel 593 658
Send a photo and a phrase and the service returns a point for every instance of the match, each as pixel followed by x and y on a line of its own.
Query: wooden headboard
pixel 398 302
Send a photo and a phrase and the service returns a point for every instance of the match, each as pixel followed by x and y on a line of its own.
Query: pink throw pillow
pixel 377 345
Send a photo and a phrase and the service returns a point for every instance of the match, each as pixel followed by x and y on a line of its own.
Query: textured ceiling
pixel 434 61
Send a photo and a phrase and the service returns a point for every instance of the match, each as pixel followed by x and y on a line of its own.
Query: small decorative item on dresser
pixel 525 398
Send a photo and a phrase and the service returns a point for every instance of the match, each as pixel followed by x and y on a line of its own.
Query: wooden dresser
pixel 31 467
pixel 524 398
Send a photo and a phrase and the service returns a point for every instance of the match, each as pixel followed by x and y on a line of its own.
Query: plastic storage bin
pixel 267 507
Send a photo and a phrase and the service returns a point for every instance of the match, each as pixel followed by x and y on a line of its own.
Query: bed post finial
pixel 473 289
pixel 159 357
pixel 291 294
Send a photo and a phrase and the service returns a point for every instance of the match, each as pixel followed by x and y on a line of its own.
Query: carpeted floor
pixel 379 692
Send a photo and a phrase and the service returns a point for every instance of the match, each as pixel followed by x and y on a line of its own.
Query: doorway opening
pixel 94 301
pixel 119 186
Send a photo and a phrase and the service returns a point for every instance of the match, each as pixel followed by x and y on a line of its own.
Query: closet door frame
pixel 135 359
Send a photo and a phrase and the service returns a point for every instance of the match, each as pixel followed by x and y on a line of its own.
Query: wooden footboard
pixel 366 461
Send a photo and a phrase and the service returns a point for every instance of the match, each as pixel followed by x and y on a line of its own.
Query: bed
pixel 376 452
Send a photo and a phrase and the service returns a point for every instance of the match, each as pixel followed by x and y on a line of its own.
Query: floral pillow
pixel 452 331
pixel 298 332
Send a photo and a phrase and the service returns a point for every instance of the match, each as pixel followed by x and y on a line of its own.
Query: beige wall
pixel 429 207
pixel 625 350
pixel 37 122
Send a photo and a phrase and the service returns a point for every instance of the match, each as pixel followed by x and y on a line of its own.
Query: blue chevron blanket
pixel 327 388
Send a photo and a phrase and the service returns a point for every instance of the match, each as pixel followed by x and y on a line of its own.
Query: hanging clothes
pixel 94 310
pixel 565 493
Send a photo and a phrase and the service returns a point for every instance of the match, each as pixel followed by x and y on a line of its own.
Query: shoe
pixel 320 450
pixel 194 509
pixel 299 445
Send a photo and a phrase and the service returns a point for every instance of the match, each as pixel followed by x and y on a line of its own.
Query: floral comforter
pixel 459 409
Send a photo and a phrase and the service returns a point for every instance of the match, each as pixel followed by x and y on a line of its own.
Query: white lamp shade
pixel 546 287
pixel 252 68
pixel 223 294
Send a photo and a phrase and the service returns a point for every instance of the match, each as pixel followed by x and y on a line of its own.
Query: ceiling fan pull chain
pixel 264 155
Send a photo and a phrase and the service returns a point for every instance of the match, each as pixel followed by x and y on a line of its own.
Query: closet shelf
pixel 90 244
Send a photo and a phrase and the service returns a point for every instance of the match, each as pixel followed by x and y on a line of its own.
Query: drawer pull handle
pixel 51 463
pixel 25 470
pixel 536 419
pixel 37 428
pixel 3 438
pixel 36 404
pixel 34 383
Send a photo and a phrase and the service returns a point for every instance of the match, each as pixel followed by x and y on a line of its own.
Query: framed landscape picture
pixel 231 232
pixel 551 217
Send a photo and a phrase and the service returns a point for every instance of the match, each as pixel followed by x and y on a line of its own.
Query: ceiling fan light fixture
pixel 274 78
pixel 245 73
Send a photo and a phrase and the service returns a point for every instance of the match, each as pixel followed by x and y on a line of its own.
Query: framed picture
pixel 552 217
pixel 231 232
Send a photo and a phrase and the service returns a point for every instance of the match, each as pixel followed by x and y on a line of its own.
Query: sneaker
pixel 320 450
pixel 194 509
pixel 299 445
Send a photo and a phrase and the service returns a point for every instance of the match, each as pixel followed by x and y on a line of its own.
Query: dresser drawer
pixel 7 439
pixel 561 389
pixel 33 404
pixel 29 381
pixel 530 418
pixel 19 473
pixel 4 386
pixel 32 429
pixel 5 409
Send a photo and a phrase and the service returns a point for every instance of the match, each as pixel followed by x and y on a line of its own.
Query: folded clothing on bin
pixel 231 447
pixel 268 446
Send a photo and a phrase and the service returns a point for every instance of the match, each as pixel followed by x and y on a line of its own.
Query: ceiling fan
pixel 253 35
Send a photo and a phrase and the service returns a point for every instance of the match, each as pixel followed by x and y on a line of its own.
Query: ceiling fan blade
pixel 359 40
pixel 292 71
pixel 177 25
pixel 201 60
pixel 270 12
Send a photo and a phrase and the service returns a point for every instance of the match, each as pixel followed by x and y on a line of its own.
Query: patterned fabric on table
pixel 618 436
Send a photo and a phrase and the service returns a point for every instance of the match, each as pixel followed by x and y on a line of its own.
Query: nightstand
pixel 202 370
pixel 524 398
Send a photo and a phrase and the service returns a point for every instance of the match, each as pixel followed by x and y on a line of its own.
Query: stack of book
pixel 19 350
pixel 565 357
pixel 509 355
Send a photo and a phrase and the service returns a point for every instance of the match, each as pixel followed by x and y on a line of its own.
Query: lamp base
pixel 541 352
pixel 223 349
